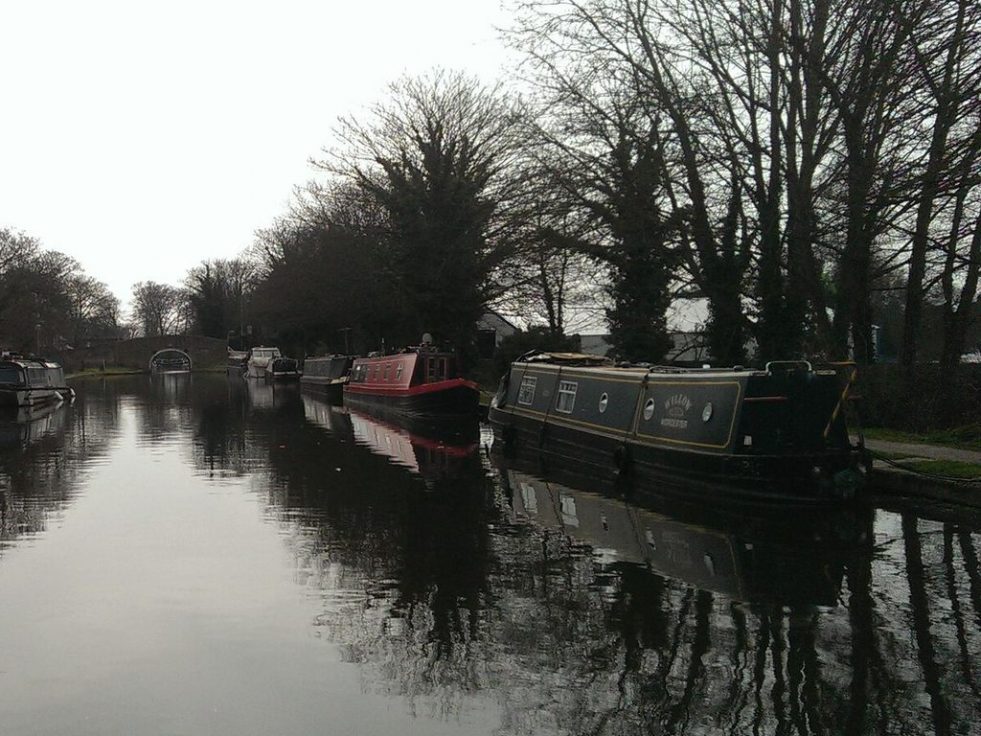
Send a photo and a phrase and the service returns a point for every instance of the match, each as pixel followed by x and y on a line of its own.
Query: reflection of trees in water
pixel 400 563
pixel 442 596
pixel 442 599
pixel 42 456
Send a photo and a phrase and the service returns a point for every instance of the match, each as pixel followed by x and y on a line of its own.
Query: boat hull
pixel 31 397
pixel 331 389
pixel 459 399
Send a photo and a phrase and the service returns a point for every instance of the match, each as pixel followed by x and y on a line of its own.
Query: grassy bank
pixel 110 371
pixel 120 371
pixel 963 438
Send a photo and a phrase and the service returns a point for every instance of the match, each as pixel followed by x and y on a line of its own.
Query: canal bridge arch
pixel 162 357
pixel 204 353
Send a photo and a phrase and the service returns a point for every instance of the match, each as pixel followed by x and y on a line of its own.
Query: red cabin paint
pixel 418 381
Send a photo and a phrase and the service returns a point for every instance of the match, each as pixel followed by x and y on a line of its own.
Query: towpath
pixel 932 452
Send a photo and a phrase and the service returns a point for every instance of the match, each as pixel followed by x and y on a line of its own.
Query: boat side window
pixel 398 371
pixel 10 374
pixel 377 371
pixel 38 376
pixel 437 370
pixel 603 402
pixel 388 367
pixel 526 392
pixel 565 400
pixel 649 409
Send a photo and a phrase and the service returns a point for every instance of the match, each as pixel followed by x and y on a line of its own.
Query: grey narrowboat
pixel 783 423
pixel 326 375
pixel 31 382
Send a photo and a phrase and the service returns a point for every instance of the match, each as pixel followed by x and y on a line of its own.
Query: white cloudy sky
pixel 142 137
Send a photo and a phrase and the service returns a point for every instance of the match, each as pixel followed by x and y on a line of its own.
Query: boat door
pixel 437 369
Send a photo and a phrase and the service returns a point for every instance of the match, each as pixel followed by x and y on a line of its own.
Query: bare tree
pixel 947 65
pixel 156 308
pixel 93 309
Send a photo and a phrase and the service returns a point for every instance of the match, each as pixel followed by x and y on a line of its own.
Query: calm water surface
pixel 191 555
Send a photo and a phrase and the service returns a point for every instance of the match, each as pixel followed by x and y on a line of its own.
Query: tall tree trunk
pixel 946 115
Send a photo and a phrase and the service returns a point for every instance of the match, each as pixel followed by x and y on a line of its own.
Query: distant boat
pixel 269 364
pixel 419 381
pixel 237 362
pixel 326 375
pixel 32 382
pixel 283 369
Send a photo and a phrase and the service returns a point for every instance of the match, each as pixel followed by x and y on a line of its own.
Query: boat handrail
pixel 805 363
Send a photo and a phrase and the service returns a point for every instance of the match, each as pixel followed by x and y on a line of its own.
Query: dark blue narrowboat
pixel 783 423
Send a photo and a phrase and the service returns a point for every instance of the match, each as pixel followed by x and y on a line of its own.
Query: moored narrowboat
pixel 326 375
pixel 783 423
pixel 32 382
pixel 419 381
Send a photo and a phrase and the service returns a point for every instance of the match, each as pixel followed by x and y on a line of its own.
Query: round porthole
pixel 707 412
pixel 649 409
pixel 604 400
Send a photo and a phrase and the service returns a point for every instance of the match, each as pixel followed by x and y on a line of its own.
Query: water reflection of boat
pixel 263 395
pixel 432 449
pixel 24 425
pixel 748 553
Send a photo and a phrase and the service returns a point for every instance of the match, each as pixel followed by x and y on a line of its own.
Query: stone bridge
pixel 204 352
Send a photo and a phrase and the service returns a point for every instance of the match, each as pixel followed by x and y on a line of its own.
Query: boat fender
pixel 621 458
pixel 502 391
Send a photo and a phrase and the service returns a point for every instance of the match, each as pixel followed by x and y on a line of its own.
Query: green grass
pixel 965 438
pixel 895 456
pixel 946 468
pixel 110 371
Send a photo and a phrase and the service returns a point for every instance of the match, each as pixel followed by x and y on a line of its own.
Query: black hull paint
pixel 803 478
pixel 460 401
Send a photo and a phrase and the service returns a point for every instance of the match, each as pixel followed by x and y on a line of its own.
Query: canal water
pixel 187 554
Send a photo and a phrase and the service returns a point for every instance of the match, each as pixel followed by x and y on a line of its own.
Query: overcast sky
pixel 142 138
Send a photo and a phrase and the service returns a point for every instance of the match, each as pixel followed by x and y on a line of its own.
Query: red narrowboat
pixel 419 381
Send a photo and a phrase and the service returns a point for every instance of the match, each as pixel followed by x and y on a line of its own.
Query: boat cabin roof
pixel 27 363
pixel 411 350
pixel 584 360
